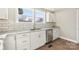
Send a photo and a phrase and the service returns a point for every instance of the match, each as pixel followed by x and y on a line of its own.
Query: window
pixel 28 15
pixel 25 14
pixel 39 15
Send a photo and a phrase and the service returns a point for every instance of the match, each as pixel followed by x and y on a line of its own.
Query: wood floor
pixel 60 44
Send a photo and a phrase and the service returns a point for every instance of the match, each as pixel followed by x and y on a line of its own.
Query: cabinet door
pixel 42 38
pixel 34 40
pixel 56 33
pixel 4 13
pixel 23 41
pixel 38 39
pixel 1 44
pixel 9 42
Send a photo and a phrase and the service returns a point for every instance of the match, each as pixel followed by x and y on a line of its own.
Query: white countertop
pixel 4 34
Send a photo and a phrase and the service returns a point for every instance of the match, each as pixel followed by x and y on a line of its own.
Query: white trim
pixel 69 39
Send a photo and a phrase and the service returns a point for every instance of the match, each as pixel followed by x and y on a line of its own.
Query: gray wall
pixel 66 20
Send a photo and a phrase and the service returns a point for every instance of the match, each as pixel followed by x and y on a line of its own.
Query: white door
pixel 9 42
pixel 23 41
pixel 4 13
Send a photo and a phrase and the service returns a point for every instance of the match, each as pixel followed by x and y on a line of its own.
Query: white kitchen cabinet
pixel 42 38
pixel 56 33
pixel 38 39
pixel 3 13
pixel 34 40
pixel 9 42
pixel 1 44
pixel 23 41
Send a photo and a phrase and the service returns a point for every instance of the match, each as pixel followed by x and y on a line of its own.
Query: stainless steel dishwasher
pixel 49 35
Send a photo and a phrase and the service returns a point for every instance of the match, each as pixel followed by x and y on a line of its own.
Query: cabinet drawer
pixel 23 46
pixel 22 34
pixel 23 40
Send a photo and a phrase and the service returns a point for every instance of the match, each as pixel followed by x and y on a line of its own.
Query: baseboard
pixel 68 39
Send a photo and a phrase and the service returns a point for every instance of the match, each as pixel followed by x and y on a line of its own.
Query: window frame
pixel 17 15
pixel 33 21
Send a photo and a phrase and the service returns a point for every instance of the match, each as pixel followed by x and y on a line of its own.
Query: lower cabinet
pixel 9 42
pixel 1 44
pixel 56 33
pixel 38 39
pixel 19 41
pixel 42 38
pixel 23 41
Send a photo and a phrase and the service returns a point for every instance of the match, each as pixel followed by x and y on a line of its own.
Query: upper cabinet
pixel 50 17
pixel 3 13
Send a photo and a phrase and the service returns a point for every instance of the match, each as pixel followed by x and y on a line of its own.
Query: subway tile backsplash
pixel 3 25
pixel 6 26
